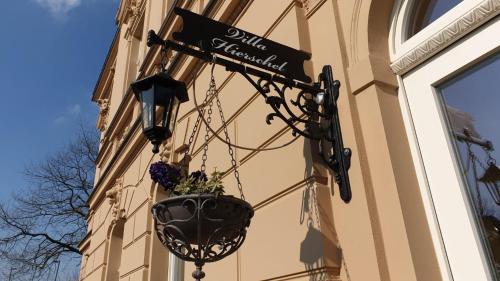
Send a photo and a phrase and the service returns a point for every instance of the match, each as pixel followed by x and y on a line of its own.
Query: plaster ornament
pixel 113 67
pixel 115 196
pixel 310 5
pixel 165 150
pixel 104 139
pixel 123 135
pixel 305 4
pixel 133 11
pixel 102 120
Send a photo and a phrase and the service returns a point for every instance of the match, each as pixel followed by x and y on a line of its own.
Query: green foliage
pixel 191 185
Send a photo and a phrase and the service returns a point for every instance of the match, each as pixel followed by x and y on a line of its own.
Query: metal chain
pixel 211 91
pixel 254 149
pixel 197 123
pixel 230 148
pixel 215 93
pixel 193 133
pixel 163 59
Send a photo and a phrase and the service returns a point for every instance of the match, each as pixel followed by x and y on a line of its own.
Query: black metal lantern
pixel 160 97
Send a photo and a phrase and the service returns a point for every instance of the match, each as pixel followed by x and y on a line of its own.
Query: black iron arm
pixel 316 102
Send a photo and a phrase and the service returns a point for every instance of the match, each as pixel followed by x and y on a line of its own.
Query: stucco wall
pixel 302 230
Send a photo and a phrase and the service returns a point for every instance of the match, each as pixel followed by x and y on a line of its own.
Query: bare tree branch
pixel 45 222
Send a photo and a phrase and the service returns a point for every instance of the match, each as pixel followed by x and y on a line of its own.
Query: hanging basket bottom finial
pixel 198 274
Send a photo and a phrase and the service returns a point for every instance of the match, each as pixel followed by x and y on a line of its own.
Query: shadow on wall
pixel 319 253
pixel 311 248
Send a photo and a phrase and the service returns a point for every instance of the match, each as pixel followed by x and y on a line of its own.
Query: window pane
pixel 472 102
pixel 428 11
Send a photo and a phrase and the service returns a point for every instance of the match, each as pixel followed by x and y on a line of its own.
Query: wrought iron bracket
pixel 315 106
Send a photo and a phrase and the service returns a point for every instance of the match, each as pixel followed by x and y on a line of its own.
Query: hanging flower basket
pixel 203 227
pixel 198 223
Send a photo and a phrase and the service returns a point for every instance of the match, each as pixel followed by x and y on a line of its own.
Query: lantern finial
pixel 156 148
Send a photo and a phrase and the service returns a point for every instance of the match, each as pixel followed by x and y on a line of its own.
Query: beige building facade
pixel 412 216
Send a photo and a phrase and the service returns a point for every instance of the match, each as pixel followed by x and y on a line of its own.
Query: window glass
pixel 427 11
pixel 472 103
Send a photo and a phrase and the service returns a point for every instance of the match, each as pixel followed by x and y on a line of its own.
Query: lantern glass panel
pixel 148 108
pixel 161 114
pixel 174 109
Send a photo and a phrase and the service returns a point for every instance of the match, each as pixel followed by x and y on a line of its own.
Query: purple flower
pixel 199 176
pixel 166 175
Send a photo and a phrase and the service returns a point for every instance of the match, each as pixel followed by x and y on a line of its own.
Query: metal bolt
pixel 319 98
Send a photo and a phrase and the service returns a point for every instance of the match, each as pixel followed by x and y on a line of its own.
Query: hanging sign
pixel 241 45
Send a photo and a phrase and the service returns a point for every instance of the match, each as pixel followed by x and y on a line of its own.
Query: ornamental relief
pixel 132 14
pixel 115 200
pixel 102 120
pixel 123 135
pixel 471 20
pixel 133 7
pixel 166 150
pixel 129 11
pixel 310 6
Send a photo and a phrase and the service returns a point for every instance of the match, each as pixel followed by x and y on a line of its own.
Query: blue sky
pixel 50 57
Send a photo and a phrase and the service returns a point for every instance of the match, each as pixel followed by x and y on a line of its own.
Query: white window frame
pixel 421 62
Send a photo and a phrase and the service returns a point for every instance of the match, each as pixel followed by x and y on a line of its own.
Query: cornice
pixel 85 243
pixel 107 67
pixel 471 20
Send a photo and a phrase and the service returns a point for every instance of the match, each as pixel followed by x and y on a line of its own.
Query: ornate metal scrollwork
pixel 319 114
pixel 202 228
pixel 317 104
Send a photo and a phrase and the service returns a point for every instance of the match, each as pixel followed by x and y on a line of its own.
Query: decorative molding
pixel 133 9
pixel 89 218
pixel 115 195
pixel 132 16
pixel 123 135
pixel 102 120
pixel 305 4
pixel 471 20
pixel 310 6
pixel 354 31
pixel 323 273
pixel 113 67
pixel 130 11
pixel 166 150
pixel 103 140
